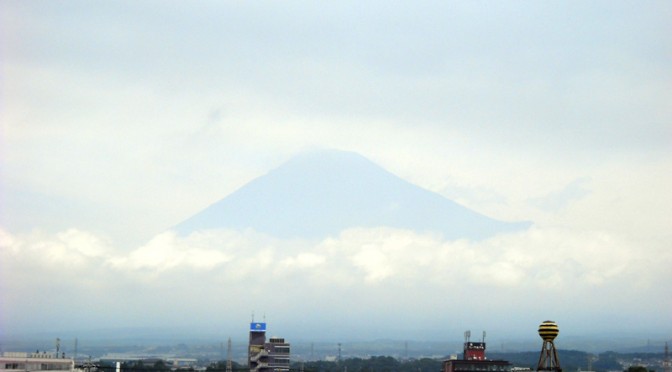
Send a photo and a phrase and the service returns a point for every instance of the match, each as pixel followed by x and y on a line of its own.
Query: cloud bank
pixel 397 277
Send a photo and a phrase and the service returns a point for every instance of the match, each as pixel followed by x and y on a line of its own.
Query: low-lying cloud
pixel 379 272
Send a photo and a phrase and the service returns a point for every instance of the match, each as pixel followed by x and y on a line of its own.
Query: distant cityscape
pixel 276 354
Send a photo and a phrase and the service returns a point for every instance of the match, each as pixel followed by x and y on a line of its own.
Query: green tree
pixel 220 366
pixel 160 366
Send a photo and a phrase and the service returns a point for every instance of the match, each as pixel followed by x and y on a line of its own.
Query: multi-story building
pixel 256 344
pixel 29 362
pixel 474 360
pixel 267 356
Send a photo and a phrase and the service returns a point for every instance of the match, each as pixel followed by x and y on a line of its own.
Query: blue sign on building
pixel 257 327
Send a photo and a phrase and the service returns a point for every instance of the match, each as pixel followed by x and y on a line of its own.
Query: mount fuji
pixel 321 193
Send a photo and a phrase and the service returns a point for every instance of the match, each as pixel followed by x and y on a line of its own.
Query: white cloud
pixel 72 248
pixel 166 251
pixel 378 264
pixel 302 261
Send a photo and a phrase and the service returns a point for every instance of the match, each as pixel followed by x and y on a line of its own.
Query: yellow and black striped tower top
pixel 548 330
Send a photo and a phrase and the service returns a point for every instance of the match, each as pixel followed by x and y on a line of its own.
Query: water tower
pixel 548 359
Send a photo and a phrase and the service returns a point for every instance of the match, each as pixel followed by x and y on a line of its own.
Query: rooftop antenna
pixel 483 337
pixel 252 316
pixel 666 362
pixel 467 336
pixel 58 346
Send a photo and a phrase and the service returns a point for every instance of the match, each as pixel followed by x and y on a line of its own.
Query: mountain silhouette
pixel 321 193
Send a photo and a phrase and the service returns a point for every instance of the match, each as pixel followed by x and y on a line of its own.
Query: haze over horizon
pixel 121 119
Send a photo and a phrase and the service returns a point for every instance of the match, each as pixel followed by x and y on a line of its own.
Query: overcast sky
pixel 121 119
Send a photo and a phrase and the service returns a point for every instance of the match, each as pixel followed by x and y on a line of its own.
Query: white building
pixel 28 362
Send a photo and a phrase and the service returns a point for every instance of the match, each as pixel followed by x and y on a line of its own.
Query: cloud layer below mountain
pixel 378 280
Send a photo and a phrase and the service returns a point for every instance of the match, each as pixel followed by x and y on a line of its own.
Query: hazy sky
pixel 121 119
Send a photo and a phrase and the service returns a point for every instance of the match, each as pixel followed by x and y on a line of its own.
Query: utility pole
pixel 339 352
pixel 229 363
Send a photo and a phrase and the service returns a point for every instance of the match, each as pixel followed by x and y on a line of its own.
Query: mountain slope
pixel 318 194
